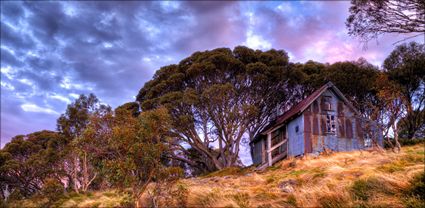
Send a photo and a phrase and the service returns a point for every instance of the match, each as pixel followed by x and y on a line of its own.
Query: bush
pixel 52 189
pixel 405 142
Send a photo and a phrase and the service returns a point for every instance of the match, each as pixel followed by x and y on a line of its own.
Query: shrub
pixel 52 189
pixel 405 142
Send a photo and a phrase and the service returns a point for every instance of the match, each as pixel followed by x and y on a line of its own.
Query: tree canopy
pixel 219 96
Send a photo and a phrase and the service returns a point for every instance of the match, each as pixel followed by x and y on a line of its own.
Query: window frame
pixel 330 124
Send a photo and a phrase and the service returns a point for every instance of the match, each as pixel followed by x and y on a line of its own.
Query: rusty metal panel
pixel 315 146
pixel 359 128
pixel 307 122
pixel 340 108
pixel 341 127
pixel 323 125
pixel 307 133
pixel 349 128
pixel 307 142
pixel 315 125
pixel 316 106
pixel 322 103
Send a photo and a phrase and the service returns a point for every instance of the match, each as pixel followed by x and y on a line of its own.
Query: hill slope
pixel 358 178
pixel 350 179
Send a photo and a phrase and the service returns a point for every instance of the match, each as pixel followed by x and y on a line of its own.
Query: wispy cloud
pixel 31 107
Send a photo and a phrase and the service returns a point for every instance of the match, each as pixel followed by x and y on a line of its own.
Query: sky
pixel 53 51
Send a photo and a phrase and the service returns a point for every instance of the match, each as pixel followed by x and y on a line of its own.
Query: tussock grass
pixel 110 198
pixel 346 179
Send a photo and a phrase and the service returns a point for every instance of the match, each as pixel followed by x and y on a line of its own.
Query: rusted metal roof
pixel 301 106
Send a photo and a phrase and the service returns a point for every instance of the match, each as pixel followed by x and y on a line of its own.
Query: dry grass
pixel 109 198
pixel 349 179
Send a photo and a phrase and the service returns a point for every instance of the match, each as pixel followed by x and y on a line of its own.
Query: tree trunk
pixel 75 173
pixel 85 173
pixel 397 144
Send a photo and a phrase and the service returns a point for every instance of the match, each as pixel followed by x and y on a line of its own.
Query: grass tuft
pixel 333 200
pixel 242 200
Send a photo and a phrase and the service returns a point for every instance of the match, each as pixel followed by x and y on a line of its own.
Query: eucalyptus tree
pixel 405 66
pixel 72 125
pixel 218 97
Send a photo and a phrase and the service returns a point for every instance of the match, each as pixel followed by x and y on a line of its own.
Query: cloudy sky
pixel 53 51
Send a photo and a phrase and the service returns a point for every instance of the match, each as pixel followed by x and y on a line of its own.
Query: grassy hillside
pixel 355 179
pixel 360 179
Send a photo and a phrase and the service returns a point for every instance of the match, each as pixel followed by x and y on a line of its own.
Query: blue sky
pixel 53 51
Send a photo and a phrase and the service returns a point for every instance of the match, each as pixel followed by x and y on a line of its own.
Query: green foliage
pixel 405 67
pixel 411 142
pixel 360 90
pixel 220 94
pixel 52 189
pixel 28 160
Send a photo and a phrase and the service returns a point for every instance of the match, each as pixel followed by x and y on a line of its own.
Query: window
pixel 367 141
pixel 296 129
pixel 330 124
